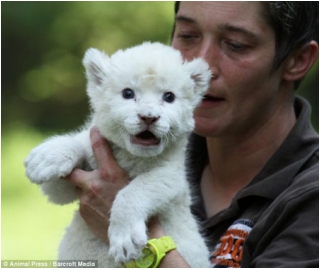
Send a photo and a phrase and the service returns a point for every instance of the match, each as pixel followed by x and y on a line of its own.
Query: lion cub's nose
pixel 149 120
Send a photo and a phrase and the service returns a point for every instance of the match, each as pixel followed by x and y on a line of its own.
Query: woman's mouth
pixel 209 101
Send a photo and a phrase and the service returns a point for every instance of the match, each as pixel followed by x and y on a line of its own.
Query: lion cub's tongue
pixel 145 138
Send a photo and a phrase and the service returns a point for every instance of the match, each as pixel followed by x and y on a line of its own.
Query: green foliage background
pixel 43 93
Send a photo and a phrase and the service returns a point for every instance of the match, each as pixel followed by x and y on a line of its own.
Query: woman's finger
pixel 107 165
pixel 79 178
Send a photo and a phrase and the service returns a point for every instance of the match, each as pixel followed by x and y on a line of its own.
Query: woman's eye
pixel 187 37
pixel 127 93
pixel 236 46
pixel 169 97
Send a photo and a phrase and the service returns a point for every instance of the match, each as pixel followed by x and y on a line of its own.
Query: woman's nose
pixel 210 53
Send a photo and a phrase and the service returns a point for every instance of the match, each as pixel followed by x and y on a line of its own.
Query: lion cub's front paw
pixel 126 241
pixel 53 159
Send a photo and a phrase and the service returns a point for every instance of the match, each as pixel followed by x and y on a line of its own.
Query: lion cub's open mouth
pixel 145 138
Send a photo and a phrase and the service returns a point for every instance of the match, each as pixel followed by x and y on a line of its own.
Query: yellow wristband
pixel 153 253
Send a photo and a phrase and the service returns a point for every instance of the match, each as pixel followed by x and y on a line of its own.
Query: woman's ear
pixel 299 62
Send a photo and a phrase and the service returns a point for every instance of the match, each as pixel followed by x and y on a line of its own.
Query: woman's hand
pixel 98 188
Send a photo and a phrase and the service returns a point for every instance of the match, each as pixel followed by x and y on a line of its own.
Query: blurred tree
pixel 309 89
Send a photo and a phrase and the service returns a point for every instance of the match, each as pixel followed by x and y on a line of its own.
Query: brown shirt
pixel 273 221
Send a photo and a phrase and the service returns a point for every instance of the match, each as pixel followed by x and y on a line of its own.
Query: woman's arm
pixel 173 259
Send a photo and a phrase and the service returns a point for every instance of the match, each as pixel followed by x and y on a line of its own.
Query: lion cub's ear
pixel 96 64
pixel 200 73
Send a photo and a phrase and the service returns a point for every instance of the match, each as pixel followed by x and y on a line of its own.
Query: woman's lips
pixel 210 101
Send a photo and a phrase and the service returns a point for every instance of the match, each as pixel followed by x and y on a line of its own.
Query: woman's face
pixel 238 44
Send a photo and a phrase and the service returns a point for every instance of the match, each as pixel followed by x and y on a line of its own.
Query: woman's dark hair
pixel 295 23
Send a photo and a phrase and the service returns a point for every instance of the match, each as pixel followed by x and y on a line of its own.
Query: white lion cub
pixel 142 100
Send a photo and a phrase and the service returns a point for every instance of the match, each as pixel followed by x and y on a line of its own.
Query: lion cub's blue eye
pixel 169 97
pixel 127 93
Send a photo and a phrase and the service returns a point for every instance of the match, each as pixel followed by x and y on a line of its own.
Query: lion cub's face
pixel 143 98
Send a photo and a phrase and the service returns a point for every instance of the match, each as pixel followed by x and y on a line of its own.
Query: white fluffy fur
pixel 158 185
